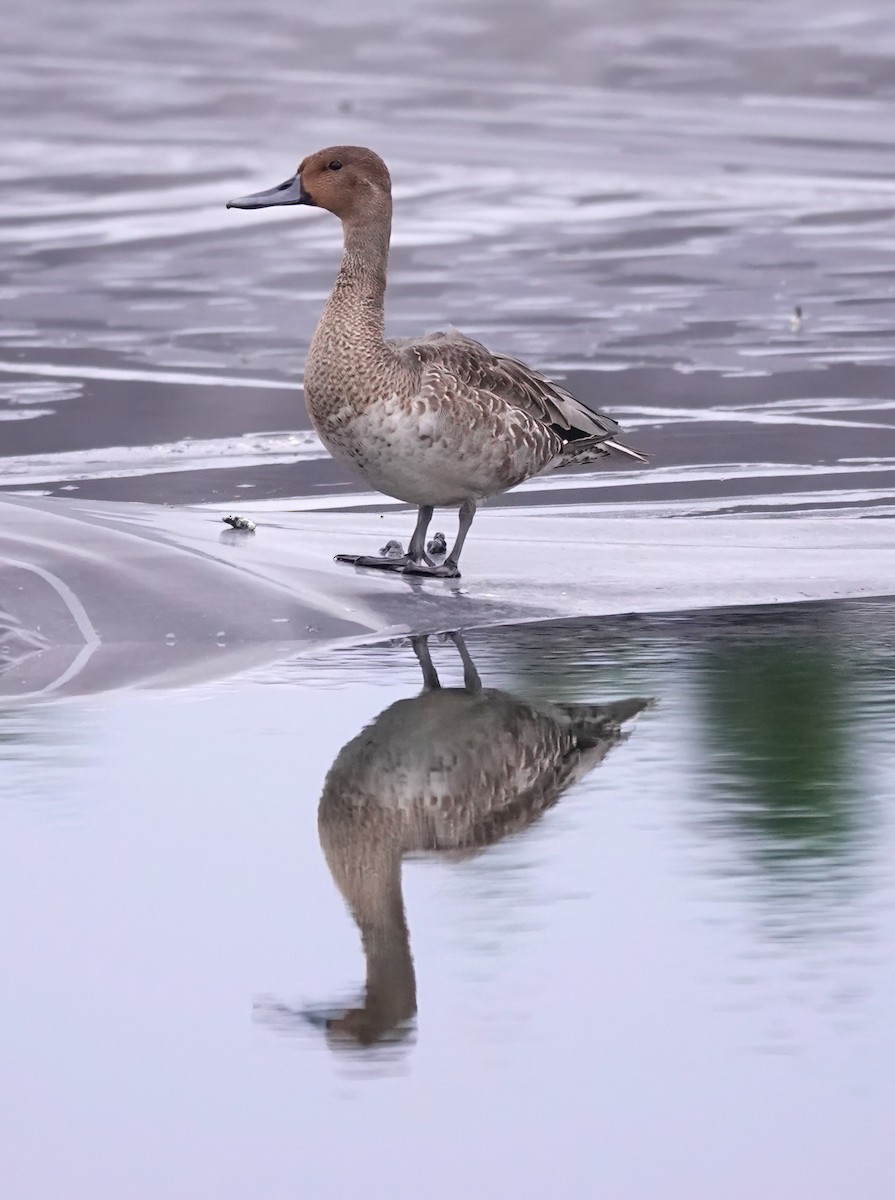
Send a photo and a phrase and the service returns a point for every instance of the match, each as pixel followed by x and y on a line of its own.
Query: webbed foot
pixel 389 563
pixel 446 570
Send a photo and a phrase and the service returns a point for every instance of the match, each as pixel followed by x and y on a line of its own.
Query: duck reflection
pixel 450 770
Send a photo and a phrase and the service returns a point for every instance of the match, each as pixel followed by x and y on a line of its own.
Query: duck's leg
pixel 471 680
pixel 416 551
pixel 420 645
pixel 467 516
pixel 416 555
pixel 450 568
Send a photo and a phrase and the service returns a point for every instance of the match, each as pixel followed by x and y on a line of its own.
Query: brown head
pixel 350 181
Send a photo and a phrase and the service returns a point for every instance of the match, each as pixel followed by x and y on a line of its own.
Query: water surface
pixel 676 981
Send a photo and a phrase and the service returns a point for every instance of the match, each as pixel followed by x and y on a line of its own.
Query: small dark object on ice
pixel 437 545
pixel 796 319
pixel 392 549
pixel 240 523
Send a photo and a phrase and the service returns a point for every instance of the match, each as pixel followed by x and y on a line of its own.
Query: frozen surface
pixel 99 596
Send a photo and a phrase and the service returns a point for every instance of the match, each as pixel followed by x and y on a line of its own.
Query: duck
pixel 448 772
pixel 433 421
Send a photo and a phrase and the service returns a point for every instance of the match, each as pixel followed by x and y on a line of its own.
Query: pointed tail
pixel 587 450
pixel 612 444
pixel 593 722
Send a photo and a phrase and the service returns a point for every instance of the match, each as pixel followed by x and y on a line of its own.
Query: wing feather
pixel 513 382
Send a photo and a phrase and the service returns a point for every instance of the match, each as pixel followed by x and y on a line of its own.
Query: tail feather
pixel 593 722
pixel 587 450
pixel 612 444
pixel 582 450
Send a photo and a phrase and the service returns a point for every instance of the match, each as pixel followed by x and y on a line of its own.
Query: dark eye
pixel 335 165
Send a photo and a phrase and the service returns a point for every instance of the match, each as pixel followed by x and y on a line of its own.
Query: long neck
pixel 391 981
pixel 365 863
pixel 356 305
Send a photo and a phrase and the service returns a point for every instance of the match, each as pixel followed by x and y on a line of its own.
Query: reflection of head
pixel 366 1027
pixel 352 1032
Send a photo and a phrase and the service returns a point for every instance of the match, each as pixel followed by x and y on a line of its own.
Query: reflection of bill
pixel 453 769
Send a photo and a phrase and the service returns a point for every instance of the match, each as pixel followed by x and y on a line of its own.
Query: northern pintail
pixel 452 770
pixel 436 420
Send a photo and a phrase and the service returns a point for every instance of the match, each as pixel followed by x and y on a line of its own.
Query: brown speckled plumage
pixel 452 770
pixel 436 420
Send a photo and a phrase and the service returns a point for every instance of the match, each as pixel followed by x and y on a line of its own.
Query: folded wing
pixel 515 383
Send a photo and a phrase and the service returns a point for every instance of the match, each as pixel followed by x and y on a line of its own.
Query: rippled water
pixel 672 977
pixel 634 196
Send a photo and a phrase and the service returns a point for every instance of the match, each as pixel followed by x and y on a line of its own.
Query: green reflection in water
pixel 781 712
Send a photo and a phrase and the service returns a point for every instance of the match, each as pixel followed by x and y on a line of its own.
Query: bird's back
pixel 454 770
